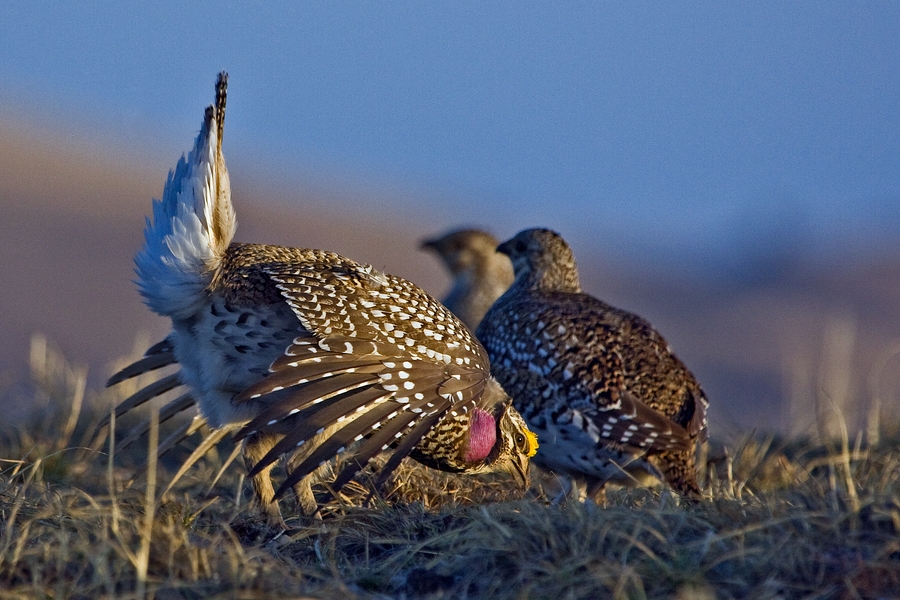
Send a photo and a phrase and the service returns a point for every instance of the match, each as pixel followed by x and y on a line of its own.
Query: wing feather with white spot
pixel 369 399
pixel 383 426
pixel 633 425
pixel 566 359
pixel 344 299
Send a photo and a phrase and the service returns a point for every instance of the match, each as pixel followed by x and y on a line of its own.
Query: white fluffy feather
pixel 192 226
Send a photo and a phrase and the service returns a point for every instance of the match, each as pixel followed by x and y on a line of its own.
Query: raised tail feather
pixel 191 228
pixel 192 225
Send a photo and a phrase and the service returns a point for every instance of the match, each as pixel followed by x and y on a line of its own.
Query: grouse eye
pixel 519 246
pixel 520 439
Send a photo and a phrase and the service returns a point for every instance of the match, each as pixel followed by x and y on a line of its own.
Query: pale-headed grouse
pixel 308 353
pixel 599 385
pixel 480 273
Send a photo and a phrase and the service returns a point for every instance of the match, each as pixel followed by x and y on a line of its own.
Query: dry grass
pixel 789 519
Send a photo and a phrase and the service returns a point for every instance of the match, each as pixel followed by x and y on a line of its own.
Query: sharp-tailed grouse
pixel 480 274
pixel 309 353
pixel 599 385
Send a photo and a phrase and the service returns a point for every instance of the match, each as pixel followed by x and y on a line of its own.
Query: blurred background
pixel 730 171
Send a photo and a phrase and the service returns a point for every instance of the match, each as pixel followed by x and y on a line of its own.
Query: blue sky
pixel 673 133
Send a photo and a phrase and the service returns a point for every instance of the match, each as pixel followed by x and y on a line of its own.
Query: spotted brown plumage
pixel 600 386
pixel 308 353
pixel 480 274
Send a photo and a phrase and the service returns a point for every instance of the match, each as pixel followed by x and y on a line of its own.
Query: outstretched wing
pixel 383 363
pixel 360 390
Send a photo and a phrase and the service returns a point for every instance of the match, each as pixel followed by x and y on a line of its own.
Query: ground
pixel 782 518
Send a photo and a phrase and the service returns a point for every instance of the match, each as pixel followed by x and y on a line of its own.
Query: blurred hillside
pixel 770 341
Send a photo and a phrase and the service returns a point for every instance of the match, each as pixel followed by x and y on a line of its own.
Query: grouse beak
pixel 428 245
pixel 520 470
pixel 504 247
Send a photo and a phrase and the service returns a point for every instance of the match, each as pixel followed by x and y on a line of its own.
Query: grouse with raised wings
pixel 308 353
